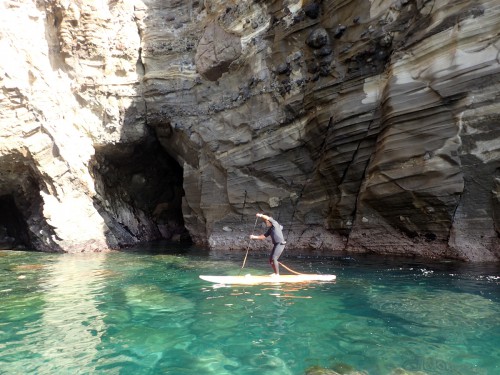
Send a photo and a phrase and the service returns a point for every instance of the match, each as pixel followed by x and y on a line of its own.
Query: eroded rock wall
pixel 69 94
pixel 366 126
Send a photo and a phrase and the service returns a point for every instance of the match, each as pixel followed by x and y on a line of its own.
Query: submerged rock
pixel 454 310
pixel 153 298
pixel 318 370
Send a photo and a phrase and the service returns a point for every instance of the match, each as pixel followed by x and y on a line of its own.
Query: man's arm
pixel 260 237
pixel 265 217
pixel 268 218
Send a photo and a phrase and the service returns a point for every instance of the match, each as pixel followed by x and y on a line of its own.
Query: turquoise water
pixel 149 313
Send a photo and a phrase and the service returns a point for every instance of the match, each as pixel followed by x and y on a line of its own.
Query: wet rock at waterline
pixel 367 127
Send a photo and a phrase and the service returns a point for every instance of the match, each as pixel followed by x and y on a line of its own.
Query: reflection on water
pixel 149 313
pixel 72 324
pixel 50 316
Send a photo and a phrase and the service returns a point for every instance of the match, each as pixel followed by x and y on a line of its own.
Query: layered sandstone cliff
pixel 366 126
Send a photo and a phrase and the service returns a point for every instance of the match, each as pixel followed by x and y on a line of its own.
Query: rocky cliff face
pixel 366 126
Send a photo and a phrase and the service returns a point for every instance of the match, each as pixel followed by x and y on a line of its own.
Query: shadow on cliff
pixel 13 228
pixel 140 193
pixel 22 224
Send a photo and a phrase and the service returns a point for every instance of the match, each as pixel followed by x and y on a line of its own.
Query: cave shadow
pixel 139 194
pixel 22 224
pixel 13 228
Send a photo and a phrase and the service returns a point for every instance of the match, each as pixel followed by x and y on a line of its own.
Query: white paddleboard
pixel 256 279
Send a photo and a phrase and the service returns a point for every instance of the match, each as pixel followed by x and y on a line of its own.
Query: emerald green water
pixel 149 313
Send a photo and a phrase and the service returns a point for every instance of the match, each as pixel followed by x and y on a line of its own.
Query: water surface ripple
pixel 147 312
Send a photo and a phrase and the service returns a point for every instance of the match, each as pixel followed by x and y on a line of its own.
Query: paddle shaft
pixel 248 246
pixel 289 269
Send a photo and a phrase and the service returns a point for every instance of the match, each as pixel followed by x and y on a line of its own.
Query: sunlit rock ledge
pixel 362 126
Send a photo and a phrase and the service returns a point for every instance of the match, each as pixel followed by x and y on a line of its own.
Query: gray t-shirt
pixel 275 232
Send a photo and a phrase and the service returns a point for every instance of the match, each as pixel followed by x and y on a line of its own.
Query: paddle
pixel 248 246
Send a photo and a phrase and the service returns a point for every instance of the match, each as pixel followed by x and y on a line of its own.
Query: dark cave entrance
pixel 140 189
pixel 13 229
pixel 22 224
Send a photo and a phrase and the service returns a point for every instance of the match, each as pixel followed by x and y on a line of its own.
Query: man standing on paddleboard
pixel 274 230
